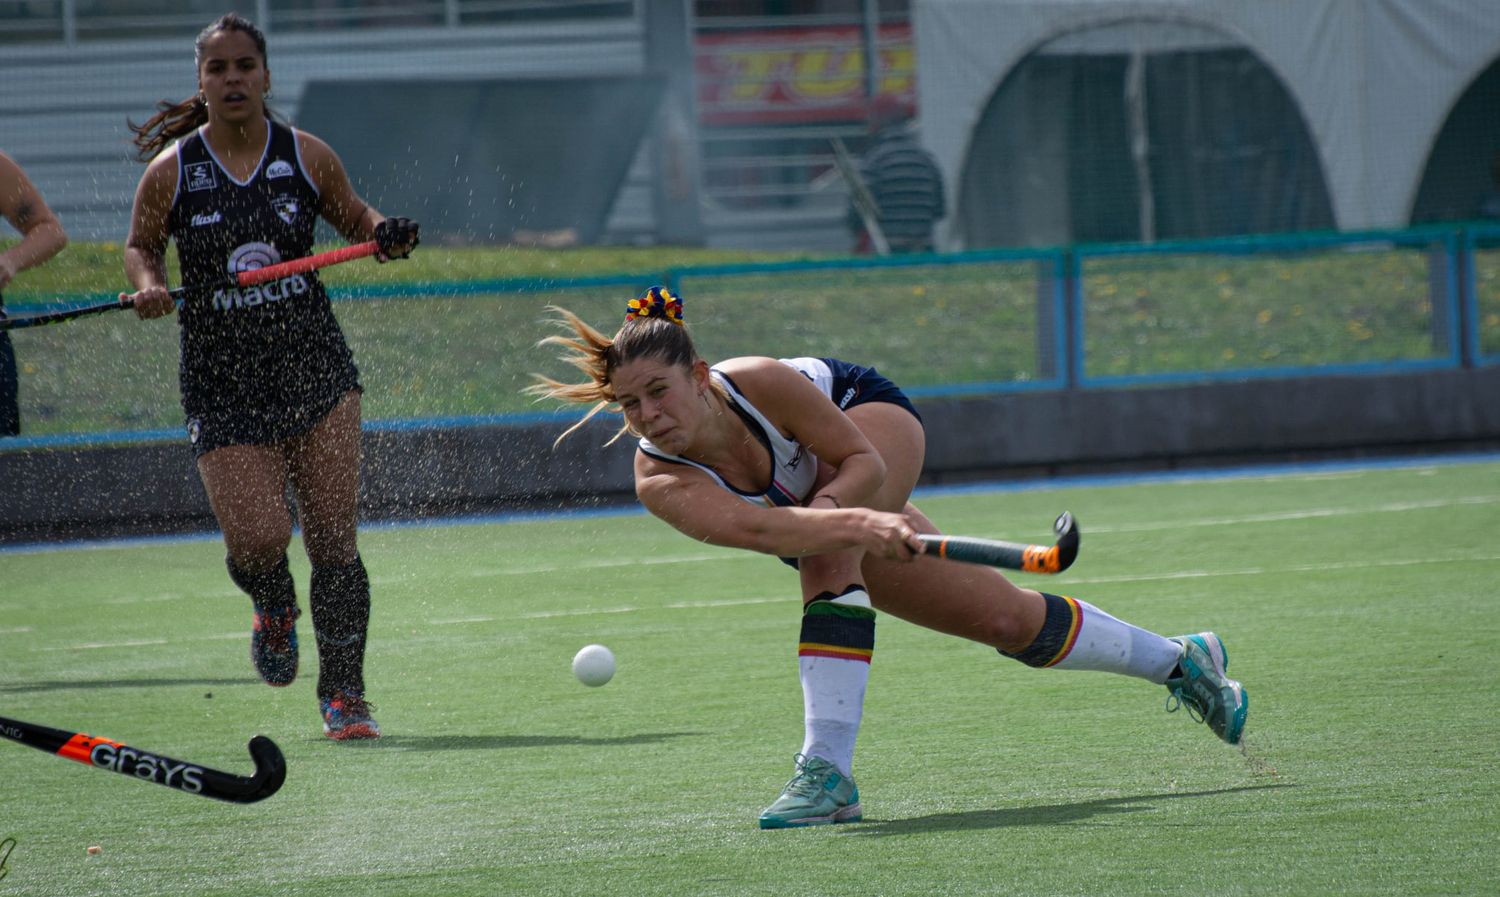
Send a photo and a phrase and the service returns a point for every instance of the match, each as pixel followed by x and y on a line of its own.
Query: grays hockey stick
pixel 270 765
pixel 242 279
pixel 1012 555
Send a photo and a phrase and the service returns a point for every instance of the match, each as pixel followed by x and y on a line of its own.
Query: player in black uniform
pixel 42 237
pixel 269 386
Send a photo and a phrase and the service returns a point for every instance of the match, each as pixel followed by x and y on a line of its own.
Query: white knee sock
pixel 838 639
pixel 1114 646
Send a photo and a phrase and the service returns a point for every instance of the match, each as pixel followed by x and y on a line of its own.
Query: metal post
pixel 1051 303
pixel 870 14
pixel 1140 143
pixel 676 166
pixel 70 22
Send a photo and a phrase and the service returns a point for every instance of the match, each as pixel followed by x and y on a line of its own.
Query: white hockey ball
pixel 594 665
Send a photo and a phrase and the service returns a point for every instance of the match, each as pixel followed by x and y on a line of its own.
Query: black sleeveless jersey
pixel 266 354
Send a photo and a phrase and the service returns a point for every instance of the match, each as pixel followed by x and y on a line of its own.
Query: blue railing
pixel 1100 316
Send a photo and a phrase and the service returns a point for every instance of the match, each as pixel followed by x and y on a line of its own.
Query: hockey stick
pixel 243 279
pixel 270 766
pixel 1012 555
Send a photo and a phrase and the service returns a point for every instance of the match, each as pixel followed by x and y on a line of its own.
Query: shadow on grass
pixel 1055 814
pixel 504 742
pixel 63 684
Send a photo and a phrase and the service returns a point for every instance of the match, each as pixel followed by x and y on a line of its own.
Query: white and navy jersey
pixel 268 351
pixel 793 468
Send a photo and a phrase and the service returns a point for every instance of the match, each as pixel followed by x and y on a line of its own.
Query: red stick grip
pixel 309 263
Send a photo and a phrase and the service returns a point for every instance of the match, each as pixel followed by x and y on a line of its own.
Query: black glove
pixel 397 237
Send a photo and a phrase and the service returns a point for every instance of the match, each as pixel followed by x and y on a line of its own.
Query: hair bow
pixel 657 302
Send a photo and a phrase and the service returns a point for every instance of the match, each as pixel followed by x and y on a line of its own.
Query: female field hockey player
pixel 814 460
pixel 42 237
pixel 269 386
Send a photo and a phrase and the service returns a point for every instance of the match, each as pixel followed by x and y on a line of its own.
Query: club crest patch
pixel 252 257
pixel 286 207
pixel 281 168
pixel 200 176
pixel 194 430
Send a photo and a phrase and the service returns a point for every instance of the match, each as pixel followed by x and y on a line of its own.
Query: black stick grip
pixel 1011 555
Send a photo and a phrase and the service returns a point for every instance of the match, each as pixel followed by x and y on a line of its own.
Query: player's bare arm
pixel 801 411
pixel 42 235
pixel 146 244
pixel 691 503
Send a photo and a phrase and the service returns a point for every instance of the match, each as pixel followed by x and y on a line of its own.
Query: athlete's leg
pixel 978 602
pixel 324 470
pixel 246 486
pixel 838 633
pixel 1038 629
pixel 325 475
pixel 834 649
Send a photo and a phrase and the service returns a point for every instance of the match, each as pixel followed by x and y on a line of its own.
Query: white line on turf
pixel 129 643
pixel 576 612
pixel 1290 568
pixel 584 612
pixel 695 605
pixel 1306 514
pixel 705 605
pixel 138 643
pixel 602 564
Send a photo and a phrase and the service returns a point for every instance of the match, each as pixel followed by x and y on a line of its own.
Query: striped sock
pixel 1079 636
pixel 833 658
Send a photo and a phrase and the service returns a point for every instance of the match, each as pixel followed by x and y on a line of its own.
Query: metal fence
pixel 459 353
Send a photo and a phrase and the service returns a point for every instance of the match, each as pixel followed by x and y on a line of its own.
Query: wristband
pixel 827 496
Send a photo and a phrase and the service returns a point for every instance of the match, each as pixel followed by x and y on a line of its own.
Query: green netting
pixel 419 356
pixel 1172 313
pixel 1487 299
pixel 922 325
pixel 954 324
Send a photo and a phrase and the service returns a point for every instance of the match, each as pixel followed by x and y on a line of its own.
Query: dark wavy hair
pixel 173 120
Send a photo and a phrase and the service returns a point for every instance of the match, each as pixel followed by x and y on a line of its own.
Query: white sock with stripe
pixel 1111 645
pixel 838 639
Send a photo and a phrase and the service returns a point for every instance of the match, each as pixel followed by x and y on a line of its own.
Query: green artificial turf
pixel 1358 606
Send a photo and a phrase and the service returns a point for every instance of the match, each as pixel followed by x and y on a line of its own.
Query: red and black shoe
pixel 273 645
pixel 346 715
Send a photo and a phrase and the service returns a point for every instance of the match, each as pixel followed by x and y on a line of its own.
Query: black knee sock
pixel 1059 629
pixel 341 615
pixel 270 590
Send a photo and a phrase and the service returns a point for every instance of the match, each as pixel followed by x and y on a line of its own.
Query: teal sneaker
pixel 1203 687
pixel 817 795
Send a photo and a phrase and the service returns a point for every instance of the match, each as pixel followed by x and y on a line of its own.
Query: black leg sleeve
pixel 341 616
pixel 269 590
